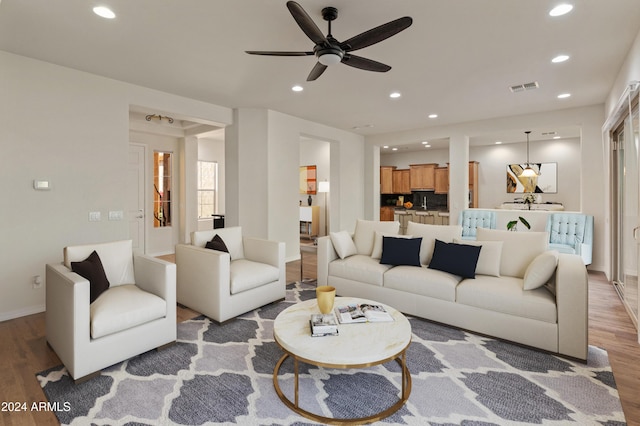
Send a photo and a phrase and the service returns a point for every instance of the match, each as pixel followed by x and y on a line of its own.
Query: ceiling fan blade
pixel 316 72
pixel 277 53
pixel 364 63
pixel 377 34
pixel 306 23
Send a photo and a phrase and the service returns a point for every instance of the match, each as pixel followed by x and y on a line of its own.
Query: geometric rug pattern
pixel 223 375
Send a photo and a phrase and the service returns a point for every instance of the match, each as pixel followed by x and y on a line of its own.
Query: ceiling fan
pixel 329 50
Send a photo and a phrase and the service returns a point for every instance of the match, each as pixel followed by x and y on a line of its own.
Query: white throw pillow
pixel 364 235
pixel 490 256
pixel 429 234
pixel 343 244
pixel 540 271
pixel 519 248
pixel 377 244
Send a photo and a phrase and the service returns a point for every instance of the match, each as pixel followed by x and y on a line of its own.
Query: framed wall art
pixel 308 180
pixel 545 183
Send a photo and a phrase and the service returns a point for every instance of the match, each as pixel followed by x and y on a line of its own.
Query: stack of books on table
pixel 362 312
pixel 323 325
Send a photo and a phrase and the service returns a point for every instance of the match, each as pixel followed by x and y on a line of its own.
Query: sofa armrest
pixel 326 254
pixel 264 251
pixel 572 301
pixel 67 316
pixel 158 277
pixel 203 276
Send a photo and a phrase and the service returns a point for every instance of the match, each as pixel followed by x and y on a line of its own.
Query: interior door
pixel 135 196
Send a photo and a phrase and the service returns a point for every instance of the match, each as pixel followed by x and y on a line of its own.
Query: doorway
pixel 135 196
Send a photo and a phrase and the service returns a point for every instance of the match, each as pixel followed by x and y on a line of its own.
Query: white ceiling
pixel 458 59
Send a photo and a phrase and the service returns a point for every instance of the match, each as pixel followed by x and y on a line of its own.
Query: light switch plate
pixel 116 215
pixel 94 217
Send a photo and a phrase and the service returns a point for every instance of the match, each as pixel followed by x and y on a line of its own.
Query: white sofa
pixel 552 317
pixel 136 314
pixel 223 285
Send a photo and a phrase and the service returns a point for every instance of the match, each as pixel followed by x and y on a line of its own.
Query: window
pixel 207 189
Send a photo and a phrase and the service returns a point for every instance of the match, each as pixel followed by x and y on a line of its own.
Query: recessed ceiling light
pixel 561 9
pixel 104 12
pixel 394 149
pixel 564 95
pixel 386 146
pixel 498 142
pixel 297 88
pixel 560 58
pixel 395 95
pixel 433 115
pixel 427 146
pixel 425 142
pixel 557 137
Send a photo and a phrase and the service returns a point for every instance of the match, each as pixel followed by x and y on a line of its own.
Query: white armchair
pixel 223 285
pixel 135 314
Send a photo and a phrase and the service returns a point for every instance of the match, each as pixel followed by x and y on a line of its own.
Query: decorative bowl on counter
pixel 408 205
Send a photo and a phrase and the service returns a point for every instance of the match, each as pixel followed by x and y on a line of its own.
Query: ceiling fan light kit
pixel 330 51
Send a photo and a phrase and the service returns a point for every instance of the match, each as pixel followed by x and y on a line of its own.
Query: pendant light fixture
pixel 528 172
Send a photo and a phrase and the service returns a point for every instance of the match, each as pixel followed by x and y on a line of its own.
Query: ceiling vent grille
pixel 522 87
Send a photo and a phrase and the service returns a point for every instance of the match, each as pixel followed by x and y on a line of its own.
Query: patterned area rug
pixel 223 375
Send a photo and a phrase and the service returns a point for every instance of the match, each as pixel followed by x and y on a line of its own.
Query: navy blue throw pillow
pixel 457 259
pixel 401 251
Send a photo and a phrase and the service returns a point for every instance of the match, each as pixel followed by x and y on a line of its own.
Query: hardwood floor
pixel 24 351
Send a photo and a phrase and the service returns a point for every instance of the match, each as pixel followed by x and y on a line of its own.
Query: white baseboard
pixel 30 310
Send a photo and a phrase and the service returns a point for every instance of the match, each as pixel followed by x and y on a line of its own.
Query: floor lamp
pixel 323 187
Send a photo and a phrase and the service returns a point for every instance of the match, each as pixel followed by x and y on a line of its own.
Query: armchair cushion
pixel 124 307
pixel 115 257
pixel 246 274
pixel 91 269
pixel 217 243
pixel 232 238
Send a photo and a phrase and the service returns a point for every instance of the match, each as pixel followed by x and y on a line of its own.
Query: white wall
pixel 71 128
pixel 263 157
pixel 318 153
pixel 592 172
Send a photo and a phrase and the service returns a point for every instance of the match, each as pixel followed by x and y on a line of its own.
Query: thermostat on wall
pixel 42 185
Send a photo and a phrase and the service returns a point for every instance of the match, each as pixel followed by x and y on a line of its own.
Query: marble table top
pixel 357 344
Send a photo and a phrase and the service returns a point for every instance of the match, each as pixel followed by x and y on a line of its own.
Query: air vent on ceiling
pixel 522 87
pixel 549 133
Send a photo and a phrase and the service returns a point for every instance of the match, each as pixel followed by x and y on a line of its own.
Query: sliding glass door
pixel 626 208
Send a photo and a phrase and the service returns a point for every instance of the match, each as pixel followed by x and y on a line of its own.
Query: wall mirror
pixel 308 180
pixel 161 189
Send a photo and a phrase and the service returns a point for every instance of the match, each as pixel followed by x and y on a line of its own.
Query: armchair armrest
pixel 264 251
pixel 155 276
pixel 326 254
pixel 203 276
pixel 572 301
pixel 67 316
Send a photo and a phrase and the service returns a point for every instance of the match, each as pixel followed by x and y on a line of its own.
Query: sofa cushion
pixel 423 281
pixel 247 274
pixel 518 248
pixel 116 258
pixel 123 307
pixel 91 269
pixel 359 268
pixel 457 259
pixel 232 237
pixel 217 243
pixel 343 244
pixel 376 253
pixel 490 256
pixel 540 270
pixel 400 251
pixel 429 233
pixel 506 295
pixel 364 234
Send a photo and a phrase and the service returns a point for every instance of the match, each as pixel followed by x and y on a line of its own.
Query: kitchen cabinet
pixel 309 221
pixel 386 179
pixel 401 181
pixel 473 184
pixel 422 177
pixel 442 180
pixel 386 213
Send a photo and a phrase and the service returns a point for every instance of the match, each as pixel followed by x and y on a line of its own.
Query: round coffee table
pixel 357 346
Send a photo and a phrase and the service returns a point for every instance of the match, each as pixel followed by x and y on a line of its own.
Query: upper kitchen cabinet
pixel 423 177
pixel 442 180
pixel 386 179
pixel 401 181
